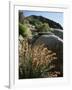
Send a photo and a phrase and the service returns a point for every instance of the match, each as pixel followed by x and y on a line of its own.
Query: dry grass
pixel 41 59
pixel 36 61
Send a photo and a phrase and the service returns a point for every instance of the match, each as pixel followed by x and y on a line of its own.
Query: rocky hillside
pixel 33 19
pixel 40 48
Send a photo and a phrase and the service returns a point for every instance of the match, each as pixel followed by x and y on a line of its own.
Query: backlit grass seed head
pixel 36 58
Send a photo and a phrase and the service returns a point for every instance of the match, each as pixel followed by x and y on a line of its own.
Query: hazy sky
pixel 55 16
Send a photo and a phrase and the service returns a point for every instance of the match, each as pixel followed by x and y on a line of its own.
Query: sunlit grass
pixel 35 61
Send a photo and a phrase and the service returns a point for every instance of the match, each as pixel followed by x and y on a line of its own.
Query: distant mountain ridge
pixel 42 19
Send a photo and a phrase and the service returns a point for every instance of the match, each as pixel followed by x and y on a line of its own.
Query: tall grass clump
pixel 35 61
pixel 42 59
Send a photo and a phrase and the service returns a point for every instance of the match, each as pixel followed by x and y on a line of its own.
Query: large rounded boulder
pixel 55 44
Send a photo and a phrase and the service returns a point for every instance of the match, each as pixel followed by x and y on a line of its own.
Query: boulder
pixel 55 44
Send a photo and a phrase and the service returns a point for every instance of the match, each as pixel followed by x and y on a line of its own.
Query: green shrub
pixel 44 27
pixel 24 30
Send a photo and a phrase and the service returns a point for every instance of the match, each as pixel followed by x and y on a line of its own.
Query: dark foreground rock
pixel 55 44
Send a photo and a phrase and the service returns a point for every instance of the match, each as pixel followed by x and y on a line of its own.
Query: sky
pixel 55 16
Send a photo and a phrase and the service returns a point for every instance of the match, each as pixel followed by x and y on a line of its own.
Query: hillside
pixel 33 19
